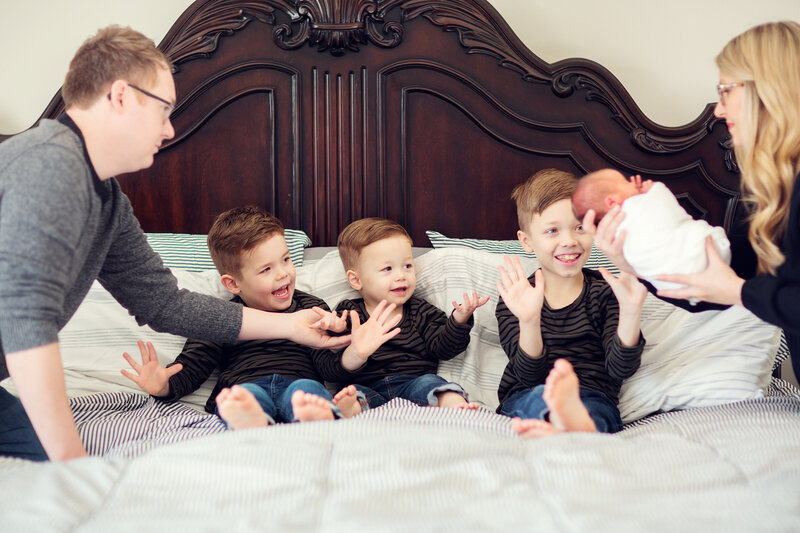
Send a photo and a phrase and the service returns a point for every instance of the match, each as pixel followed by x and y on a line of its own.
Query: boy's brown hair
pixel 540 191
pixel 113 53
pixel 237 231
pixel 361 233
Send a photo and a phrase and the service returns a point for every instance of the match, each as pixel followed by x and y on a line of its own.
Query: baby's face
pixel 385 271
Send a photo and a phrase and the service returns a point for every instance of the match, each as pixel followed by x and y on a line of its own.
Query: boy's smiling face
pixel 385 271
pixel 558 240
pixel 267 277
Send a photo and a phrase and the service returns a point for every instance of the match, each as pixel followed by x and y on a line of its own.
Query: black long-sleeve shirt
pixel 584 333
pixel 427 336
pixel 776 299
pixel 245 361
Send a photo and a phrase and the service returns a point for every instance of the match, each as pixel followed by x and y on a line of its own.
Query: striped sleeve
pixel 199 359
pixel 522 369
pixel 621 361
pixel 444 337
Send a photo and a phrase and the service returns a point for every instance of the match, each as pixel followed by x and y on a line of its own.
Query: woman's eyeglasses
pixel 724 88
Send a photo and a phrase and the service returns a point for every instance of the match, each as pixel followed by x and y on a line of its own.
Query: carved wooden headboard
pixel 424 111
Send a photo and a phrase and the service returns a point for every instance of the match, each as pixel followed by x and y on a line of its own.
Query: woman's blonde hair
pixel 767 59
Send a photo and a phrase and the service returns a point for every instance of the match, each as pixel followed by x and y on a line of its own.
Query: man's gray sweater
pixel 61 228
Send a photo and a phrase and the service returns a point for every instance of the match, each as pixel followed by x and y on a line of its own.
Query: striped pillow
pixel 190 252
pixel 511 247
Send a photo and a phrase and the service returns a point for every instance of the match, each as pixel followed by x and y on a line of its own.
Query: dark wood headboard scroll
pixel 424 111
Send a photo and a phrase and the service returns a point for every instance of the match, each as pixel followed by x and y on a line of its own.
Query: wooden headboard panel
pixel 424 111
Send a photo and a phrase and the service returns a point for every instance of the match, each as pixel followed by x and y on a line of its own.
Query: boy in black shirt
pixel 571 338
pixel 260 381
pixel 397 339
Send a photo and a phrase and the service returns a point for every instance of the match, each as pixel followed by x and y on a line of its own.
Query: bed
pixel 428 113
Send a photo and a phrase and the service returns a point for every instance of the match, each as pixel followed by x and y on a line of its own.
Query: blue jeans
pixel 17 437
pixel 422 390
pixel 274 394
pixel 528 403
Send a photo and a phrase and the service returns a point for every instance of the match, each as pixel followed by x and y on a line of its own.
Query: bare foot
pixel 454 400
pixel 240 410
pixel 307 407
pixel 562 396
pixel 347 402
pixel 531 428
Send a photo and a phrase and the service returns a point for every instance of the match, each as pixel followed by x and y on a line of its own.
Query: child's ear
pixel 352 279
pixel 230 283
pixel 610 201
pixel 523 239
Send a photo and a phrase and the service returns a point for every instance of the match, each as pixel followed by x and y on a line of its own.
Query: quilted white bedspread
pixel 407 468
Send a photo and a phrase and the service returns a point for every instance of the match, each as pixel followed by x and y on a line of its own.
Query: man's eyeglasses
pixel 724 88
pixel 170 105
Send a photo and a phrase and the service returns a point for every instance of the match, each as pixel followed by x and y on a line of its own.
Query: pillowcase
pixel 698 359
pixel 596 259
pixel 190 252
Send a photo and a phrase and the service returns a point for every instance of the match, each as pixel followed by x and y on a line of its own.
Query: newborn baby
pixel 661 238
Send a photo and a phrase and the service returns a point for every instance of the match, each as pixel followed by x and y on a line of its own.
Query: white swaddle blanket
pixel 661 238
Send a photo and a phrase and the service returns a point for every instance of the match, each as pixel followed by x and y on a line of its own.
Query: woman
pixel 759 99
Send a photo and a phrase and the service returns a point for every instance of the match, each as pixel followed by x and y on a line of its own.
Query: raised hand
pixel 369 336
pixel 606 238
pixel 462 312
pixel 150 375
pixel 330 321
pixel 629 291
pixel 522 299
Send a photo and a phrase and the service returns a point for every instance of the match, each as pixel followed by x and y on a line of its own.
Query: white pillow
pixel 698 359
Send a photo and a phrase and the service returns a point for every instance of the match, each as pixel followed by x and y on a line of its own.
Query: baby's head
pixel 249 250
pixel 600 191
pixel 377 257
pixel 548 227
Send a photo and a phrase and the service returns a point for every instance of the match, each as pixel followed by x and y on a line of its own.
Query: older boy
pixel 249 250
pixel 571 338
pixel 65 222
pixel 397 339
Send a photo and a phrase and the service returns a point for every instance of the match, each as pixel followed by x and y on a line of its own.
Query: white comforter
pixel 406 468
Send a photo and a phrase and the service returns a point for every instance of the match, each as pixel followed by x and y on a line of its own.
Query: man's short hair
pixel 237 231
pixel 361 233
pixel 113 53
pixel 540 191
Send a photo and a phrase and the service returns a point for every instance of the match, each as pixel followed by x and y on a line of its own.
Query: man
pixel 64 223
